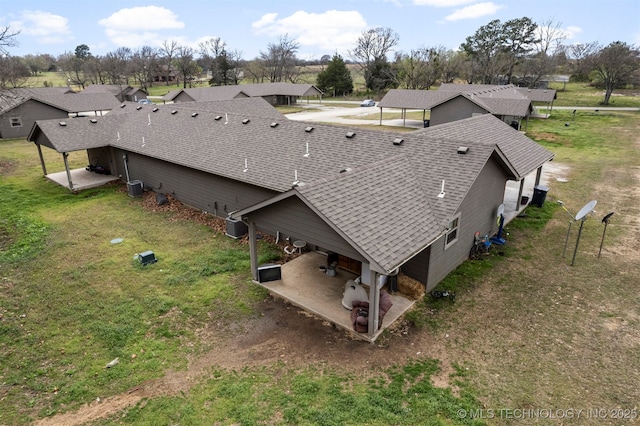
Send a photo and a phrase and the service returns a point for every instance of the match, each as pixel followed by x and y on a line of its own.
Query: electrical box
pixel 147 257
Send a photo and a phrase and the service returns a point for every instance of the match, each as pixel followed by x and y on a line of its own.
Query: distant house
pixel 20 108
pixel 166 74
pixel 457 101
pixel 385 202
pixel 123 93
pixel 274 93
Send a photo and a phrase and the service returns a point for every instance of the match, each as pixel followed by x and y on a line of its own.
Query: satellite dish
pixel 588 208
pixel 500 210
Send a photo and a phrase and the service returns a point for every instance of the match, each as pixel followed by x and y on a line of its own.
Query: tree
pixel 419 69
pixel 186 65
pixel 614 66
pixel 578 54
pixel 484 50
pixel 280 59
pixel 372 48
pixel 336 78
pixel 518 39
pixel 15 72
pixel 548 49
pixel 144 65
pixel 7 39
pixel 82 52
pixel 168 51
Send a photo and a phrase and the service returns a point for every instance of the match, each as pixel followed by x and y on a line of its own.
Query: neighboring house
pixel 122 92
pixel 389 202
pixel 166 74
pixel 20 108
pixel 457 101
pixel 274 93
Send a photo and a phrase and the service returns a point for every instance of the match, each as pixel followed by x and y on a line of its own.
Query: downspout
pixel 126 167
pixel 374 303
pixel 65 156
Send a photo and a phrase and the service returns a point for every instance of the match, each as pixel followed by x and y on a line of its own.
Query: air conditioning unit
pixel 147 257
pixel 236 228
pixel 135 188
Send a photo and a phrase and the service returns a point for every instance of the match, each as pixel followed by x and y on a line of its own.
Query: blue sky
pixel 319 26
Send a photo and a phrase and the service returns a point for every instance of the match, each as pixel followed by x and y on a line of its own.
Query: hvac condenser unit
pixel 236 228
pixel 135 188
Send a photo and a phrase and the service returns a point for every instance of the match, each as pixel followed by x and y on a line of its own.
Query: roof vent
pixel 274 124
pixel 174 112
pixel 398 141
pixel 463 149
pixel 155 109
pixel 350 134
pixel 347 170
pixel 139 107
pixel 123 105
pixel 217 117
pixel 62 123
pixel 195 114
pixel 93 120
pixel 308 129
pixel 245 121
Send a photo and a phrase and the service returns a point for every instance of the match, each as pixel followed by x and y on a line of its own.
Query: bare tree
pixel 547 50
pixel 419 69
pixel 280 59
pixel 186 65
pixel 370 54
pixel 144 64
pixel 168 51
pixel 15 72
pixel 615 65
pixel 7 39
pixel 578 54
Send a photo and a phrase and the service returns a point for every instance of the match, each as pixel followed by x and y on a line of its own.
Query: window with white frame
pixel 15 122
pixel 452 232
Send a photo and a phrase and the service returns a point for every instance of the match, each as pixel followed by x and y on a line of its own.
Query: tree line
pixel 517 51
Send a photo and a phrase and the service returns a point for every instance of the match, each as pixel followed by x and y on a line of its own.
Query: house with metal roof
pixel 20 108
pixel 386 203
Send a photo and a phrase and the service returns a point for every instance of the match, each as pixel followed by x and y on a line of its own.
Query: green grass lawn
pixel 526 331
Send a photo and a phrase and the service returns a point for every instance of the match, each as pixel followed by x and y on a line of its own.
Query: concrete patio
pixel 80 179
pixel 304 285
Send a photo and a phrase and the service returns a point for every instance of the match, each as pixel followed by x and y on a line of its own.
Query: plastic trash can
pixel 539 195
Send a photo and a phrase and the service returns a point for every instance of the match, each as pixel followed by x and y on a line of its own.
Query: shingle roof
pixel 399 221
pixel 64 100
pixel 215 93
pixel 393 172
pixel 502 91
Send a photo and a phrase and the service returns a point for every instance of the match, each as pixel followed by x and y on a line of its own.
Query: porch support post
pixel 538 175
pixel 520 193
pixel 374 303
pixel 253 250
pixel 65 156
pixel 44 167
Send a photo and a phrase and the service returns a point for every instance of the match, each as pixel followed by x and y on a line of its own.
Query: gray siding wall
pixel 28 113
pixel 213 194
pixel 478 213
pixel 455 109
pixel 294 219
pixel 418 267
pixel 101 157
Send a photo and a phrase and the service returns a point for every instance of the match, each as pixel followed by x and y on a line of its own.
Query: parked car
pixel 145 101
pixel 368 103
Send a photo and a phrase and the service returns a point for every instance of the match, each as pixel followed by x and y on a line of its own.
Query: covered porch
pixel 516 190
pixel 79 179
pixel 304 285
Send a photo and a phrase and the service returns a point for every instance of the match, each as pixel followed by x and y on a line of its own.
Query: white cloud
pixel 139 26
pixel 442 3
pixel 474 11
pixel 326 32
pixel 571 32
pixel 46 27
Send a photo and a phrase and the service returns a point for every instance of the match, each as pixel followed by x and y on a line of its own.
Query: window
pixel 15 122
pixel 452 233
